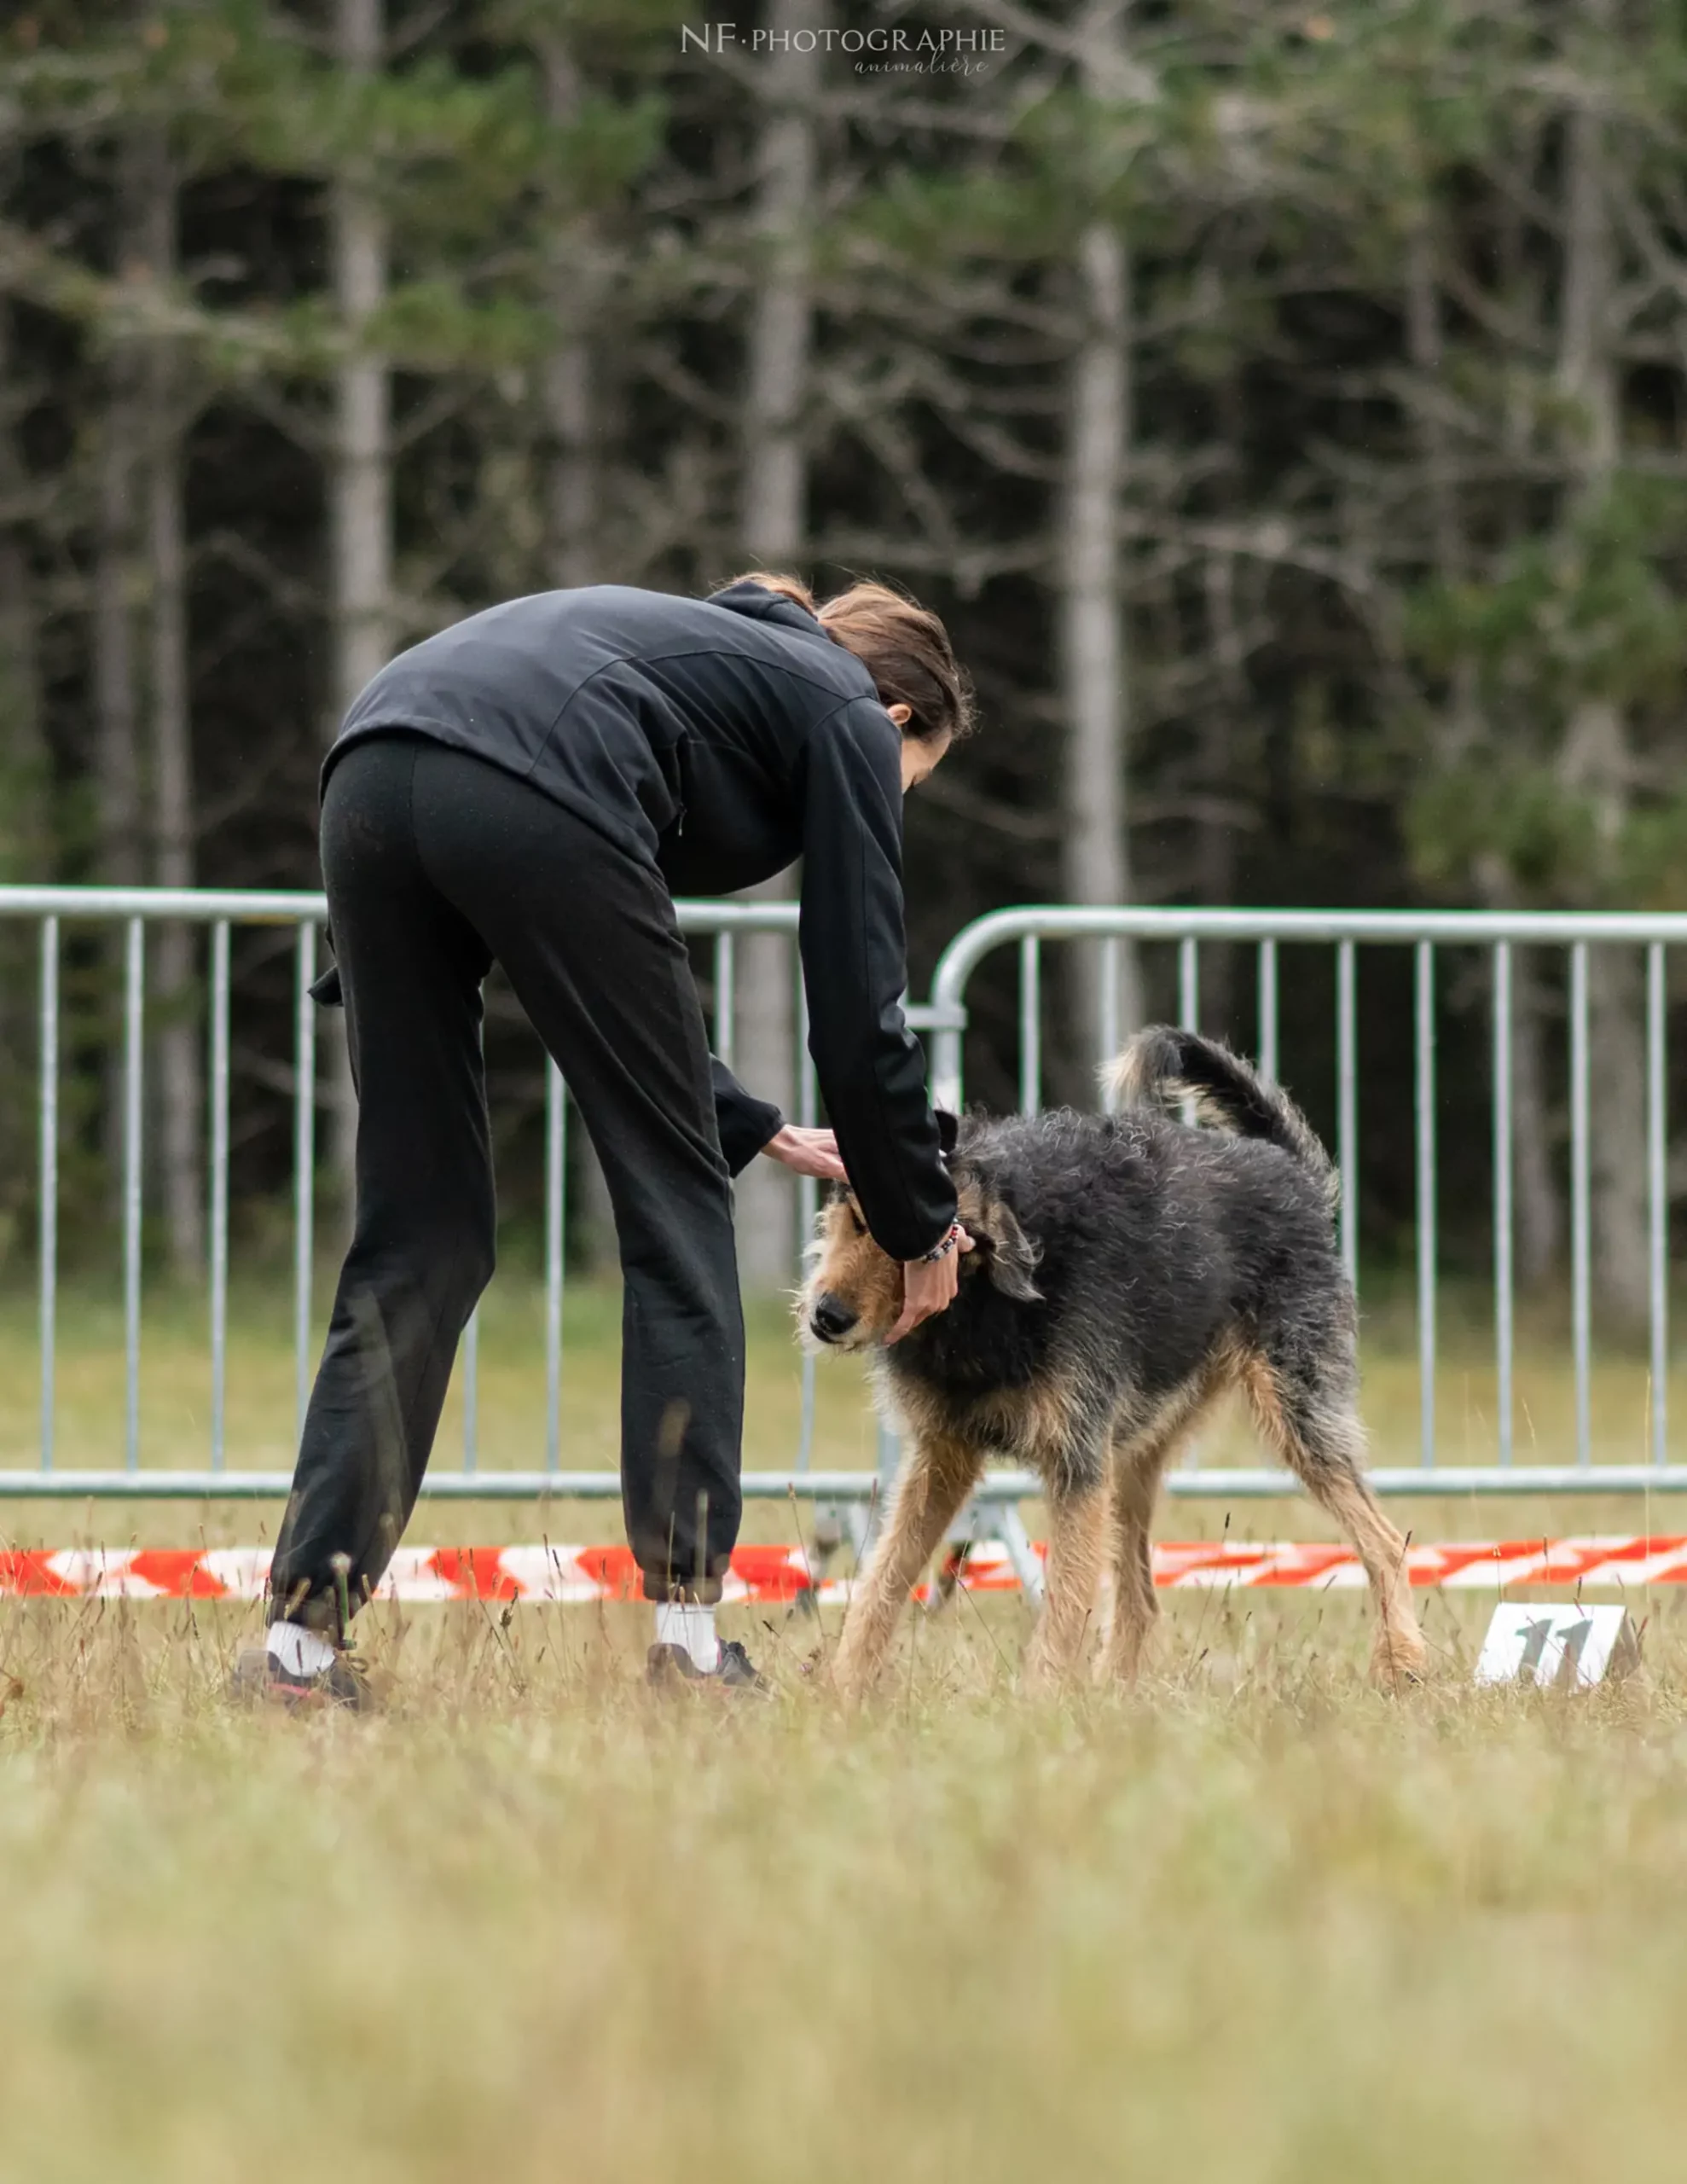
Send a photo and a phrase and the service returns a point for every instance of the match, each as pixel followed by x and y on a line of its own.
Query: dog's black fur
pixel 1126 1269
pixel 1119 1253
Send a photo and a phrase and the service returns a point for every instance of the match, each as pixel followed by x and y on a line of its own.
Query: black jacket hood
pixel 749 597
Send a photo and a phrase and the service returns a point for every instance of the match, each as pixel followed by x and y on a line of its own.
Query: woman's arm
pixel 850 933
pixel 745 1123
pixel 749 1126
pixel 806 1152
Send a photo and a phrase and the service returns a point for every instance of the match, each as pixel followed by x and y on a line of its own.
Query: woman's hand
pixel 928 1287
pixel 809 1151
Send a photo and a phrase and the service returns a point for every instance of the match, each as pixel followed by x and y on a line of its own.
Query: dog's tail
pixel 1163 1064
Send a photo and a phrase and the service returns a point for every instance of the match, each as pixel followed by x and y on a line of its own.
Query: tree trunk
pixel 573 552
pixel 1596 758
pixel 180 1087
pixel 1617 1131
pixel 773 526
pixel 571 497
pixel 24 833
pixel 117 761
pixel 1597 762
pixel 361 488
pixel 1538 1195
pixel 1093 663
pixel 117 758
pixel 1215 831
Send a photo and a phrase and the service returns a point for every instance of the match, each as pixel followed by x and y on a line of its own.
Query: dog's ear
pixel 948 1131
pixel 1010 1255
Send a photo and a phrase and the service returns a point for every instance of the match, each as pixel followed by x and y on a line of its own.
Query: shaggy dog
pixel 1127 1269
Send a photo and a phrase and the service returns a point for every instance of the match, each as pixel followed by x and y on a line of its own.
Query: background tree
pixel 774 528
pixel 1285 409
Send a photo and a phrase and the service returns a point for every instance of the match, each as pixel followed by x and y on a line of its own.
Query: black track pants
pixel 436 862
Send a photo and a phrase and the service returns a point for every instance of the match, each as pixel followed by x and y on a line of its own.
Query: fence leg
pixel 1027 1567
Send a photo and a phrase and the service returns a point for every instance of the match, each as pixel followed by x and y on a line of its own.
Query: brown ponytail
pixel 902 645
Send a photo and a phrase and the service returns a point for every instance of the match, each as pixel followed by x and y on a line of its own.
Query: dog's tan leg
pixel 1323 1443
pixel 1076 1525
pixel 936 1481
pixel 1142 1449
pixel 1137 1466
pixel 1140 1461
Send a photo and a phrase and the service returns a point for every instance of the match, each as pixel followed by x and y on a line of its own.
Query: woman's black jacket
pixel 719 739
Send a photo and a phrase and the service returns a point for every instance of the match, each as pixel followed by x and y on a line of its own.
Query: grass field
pixel 1254 1925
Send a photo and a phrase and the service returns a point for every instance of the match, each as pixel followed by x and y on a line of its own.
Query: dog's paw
pixel 1399 1664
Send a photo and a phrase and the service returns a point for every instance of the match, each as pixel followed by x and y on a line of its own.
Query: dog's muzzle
pixel 830 1318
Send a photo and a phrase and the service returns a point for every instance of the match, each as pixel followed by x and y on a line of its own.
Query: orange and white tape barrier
pixel 576 1575
pixel 1493 1566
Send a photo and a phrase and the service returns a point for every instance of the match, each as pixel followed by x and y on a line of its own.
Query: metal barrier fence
pixel 944 1019
pixel 133 909
pixel 1424 933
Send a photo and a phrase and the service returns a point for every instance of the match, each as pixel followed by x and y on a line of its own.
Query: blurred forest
pixel 1286 410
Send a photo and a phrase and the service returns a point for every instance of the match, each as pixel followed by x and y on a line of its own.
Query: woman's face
pixel 920 757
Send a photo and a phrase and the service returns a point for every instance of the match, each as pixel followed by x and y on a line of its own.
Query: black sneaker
pixel 671 1667
pixel 260 1679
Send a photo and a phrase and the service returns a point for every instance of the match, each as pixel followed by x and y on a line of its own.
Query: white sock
pixel 686 1624
pixel 300 1651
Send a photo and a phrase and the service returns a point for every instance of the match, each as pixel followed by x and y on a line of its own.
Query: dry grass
pixel 1255 1926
